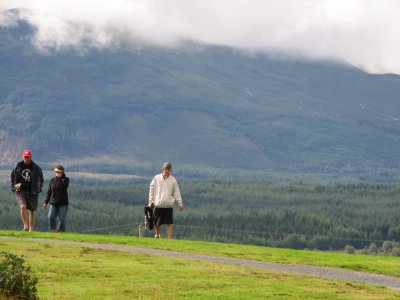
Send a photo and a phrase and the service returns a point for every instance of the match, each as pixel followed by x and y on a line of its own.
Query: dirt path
pixel 324 272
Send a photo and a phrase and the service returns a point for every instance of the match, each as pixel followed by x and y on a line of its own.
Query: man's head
pixel 27 156
pixel 166 168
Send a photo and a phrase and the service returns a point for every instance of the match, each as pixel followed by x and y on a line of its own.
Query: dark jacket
pixel 57 193
pixel 36 178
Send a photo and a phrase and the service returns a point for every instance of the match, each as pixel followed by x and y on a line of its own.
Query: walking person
pixel 27 183
pixel 57 197
pixel 163 193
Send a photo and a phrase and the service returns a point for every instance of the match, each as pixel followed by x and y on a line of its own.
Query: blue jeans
pixel 61 212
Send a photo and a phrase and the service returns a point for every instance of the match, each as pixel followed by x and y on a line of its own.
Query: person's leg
pixel 24 216
pixel 31 220
pixel 62 215
pixel 52 217
pixel 158 228
pixel 169 230
pixel 169 220
pixel 157 220
pixel 31 206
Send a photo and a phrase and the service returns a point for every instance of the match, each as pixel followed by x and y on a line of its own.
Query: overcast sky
pixel 364 33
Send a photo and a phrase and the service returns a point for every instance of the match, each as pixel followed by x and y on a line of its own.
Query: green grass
pixel 388 265
pixel 67 271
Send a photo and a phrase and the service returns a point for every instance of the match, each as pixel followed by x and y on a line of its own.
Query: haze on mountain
pixel 195 104
pixel 358 32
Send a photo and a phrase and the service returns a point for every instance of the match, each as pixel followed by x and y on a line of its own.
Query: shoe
pixel 157 236
pixel 24 229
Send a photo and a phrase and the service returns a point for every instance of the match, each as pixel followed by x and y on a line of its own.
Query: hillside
pixel 195 105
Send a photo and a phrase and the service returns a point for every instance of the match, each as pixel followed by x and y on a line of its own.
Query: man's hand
pixel 45 205
pixel 18 187
pixel 180 207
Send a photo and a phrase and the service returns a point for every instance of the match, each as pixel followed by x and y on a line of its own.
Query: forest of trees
pixel 294 215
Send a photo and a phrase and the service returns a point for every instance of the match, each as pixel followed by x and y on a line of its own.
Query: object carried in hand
pixel 17 187
pixel 148 218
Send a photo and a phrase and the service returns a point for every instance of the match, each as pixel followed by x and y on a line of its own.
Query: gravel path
pixel 324 272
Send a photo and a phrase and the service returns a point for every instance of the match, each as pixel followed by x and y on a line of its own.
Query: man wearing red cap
pixel 27 183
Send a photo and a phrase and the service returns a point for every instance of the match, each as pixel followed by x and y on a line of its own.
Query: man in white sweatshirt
pixel 163 193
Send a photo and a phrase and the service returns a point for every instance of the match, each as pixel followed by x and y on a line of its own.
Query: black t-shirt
pixel 26 177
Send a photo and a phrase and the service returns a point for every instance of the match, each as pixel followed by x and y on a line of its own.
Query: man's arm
pixel 13 180
pixel 177 195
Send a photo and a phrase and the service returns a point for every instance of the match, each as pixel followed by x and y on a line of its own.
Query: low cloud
pixel 363 33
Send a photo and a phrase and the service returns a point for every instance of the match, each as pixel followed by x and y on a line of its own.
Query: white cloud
pixel 365 33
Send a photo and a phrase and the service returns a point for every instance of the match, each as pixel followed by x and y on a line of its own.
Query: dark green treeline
pixel 292 215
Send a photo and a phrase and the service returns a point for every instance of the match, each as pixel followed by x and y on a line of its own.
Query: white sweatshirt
pixel 164 192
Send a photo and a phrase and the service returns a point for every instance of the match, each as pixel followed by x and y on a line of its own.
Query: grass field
pixel 68 271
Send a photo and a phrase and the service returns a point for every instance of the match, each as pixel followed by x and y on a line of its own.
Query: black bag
pixel 148 218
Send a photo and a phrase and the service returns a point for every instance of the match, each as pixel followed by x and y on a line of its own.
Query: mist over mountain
pixel 195 105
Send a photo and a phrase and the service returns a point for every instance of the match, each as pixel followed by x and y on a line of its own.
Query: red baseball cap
pixel 27 152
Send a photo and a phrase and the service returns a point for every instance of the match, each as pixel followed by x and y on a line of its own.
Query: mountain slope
pixel 195 105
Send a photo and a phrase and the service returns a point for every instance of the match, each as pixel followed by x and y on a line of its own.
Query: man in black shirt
pixel 27 183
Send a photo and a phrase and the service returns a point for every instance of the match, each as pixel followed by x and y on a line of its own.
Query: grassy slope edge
pixel 387 265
